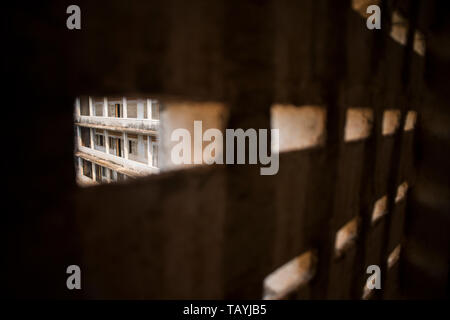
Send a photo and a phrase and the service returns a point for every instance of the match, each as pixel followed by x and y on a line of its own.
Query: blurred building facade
pixel 116 138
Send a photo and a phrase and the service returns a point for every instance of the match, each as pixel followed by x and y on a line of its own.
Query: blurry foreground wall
pixel 218 231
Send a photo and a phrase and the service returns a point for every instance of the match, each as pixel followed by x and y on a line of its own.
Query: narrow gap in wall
pixel 394 256
pixel 419 43
pixel 300 127
pixel 346 237
pixel 360 6
pixel 119 138
pixel 368 293
pixel 399 28
pixel 358 124
pixel 291 276
pixel 410 121
pixel 401 192
pixel 391 121
pixel 379 209
pixel 202 125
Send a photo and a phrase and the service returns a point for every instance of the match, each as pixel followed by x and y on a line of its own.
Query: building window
pixel 87 169
pixel 117 110
pixel 115 146
pixel 132 147
pixel 98 173
pixel 85 137
pixel 100 140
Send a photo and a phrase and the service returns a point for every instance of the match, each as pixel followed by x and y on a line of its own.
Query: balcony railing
pixel 139 167
pixel 119 123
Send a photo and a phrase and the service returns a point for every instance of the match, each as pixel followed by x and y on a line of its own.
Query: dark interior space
pixel 218 231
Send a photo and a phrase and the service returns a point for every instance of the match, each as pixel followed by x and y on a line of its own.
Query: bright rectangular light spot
pixel 290 277
pixel 360 6
pixel 367 293
pixel 345 237
pixel 358 123
pixel 410 121
pixel 401 191
pixel 379 209
pixel 182 116
pixel 419 43
pixel 391 121
pixel 300 126
pixel 399 28
pixel 394 256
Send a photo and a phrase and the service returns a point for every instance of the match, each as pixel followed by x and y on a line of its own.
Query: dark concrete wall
pixel 216 232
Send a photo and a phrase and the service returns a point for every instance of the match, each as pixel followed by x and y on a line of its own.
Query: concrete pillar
pixel 149 109
pixel 155 154
pixel 94 172
pixel 149 151
pixel 140 147
pixel 125 107
pixel 77 108
pixel 91 133
pixel 108 175
pixel 80 166
pixel 91 108
pixel 125 145
pixel 105 106
pixel 140 109
pixel 106 141
pixel 79 143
